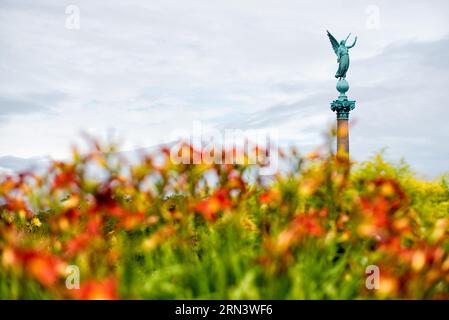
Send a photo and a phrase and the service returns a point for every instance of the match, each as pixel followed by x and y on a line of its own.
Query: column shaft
pixel 342 136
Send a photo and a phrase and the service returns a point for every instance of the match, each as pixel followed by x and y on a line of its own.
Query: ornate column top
pixel 342 105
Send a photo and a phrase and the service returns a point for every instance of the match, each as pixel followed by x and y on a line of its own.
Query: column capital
pixel 342 106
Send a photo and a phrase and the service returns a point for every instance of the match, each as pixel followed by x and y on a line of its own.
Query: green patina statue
pixel 342 106
pixel 341 50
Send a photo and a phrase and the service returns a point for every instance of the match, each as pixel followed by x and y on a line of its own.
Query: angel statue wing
pixel 334 41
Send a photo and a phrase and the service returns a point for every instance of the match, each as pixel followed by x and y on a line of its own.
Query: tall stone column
pixel 342 106
pixel 342 136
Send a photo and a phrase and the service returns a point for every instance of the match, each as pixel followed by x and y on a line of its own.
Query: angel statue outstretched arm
pixel 341 50
pixel 353 44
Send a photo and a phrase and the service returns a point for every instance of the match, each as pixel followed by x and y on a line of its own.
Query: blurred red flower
pixel 105 289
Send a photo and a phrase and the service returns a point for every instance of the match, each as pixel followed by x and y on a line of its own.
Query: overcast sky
pixel 143 69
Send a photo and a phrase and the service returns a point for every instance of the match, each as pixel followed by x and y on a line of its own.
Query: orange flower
pixel 81 241
pixel 158 237
pixel 388 286
pixel 17 204
pixel 132 220
pixel 271 196
pixel 375 221
pixel 105 289
pixel 78 243
pixel 128 219
pixel 66 176
pixel 418 260
pixel 210 207
pixel 45 268
pixel 302 226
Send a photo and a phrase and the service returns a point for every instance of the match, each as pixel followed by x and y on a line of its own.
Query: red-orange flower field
pixel 159 230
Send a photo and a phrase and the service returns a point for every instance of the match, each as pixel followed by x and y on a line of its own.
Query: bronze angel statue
pixel 341 50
